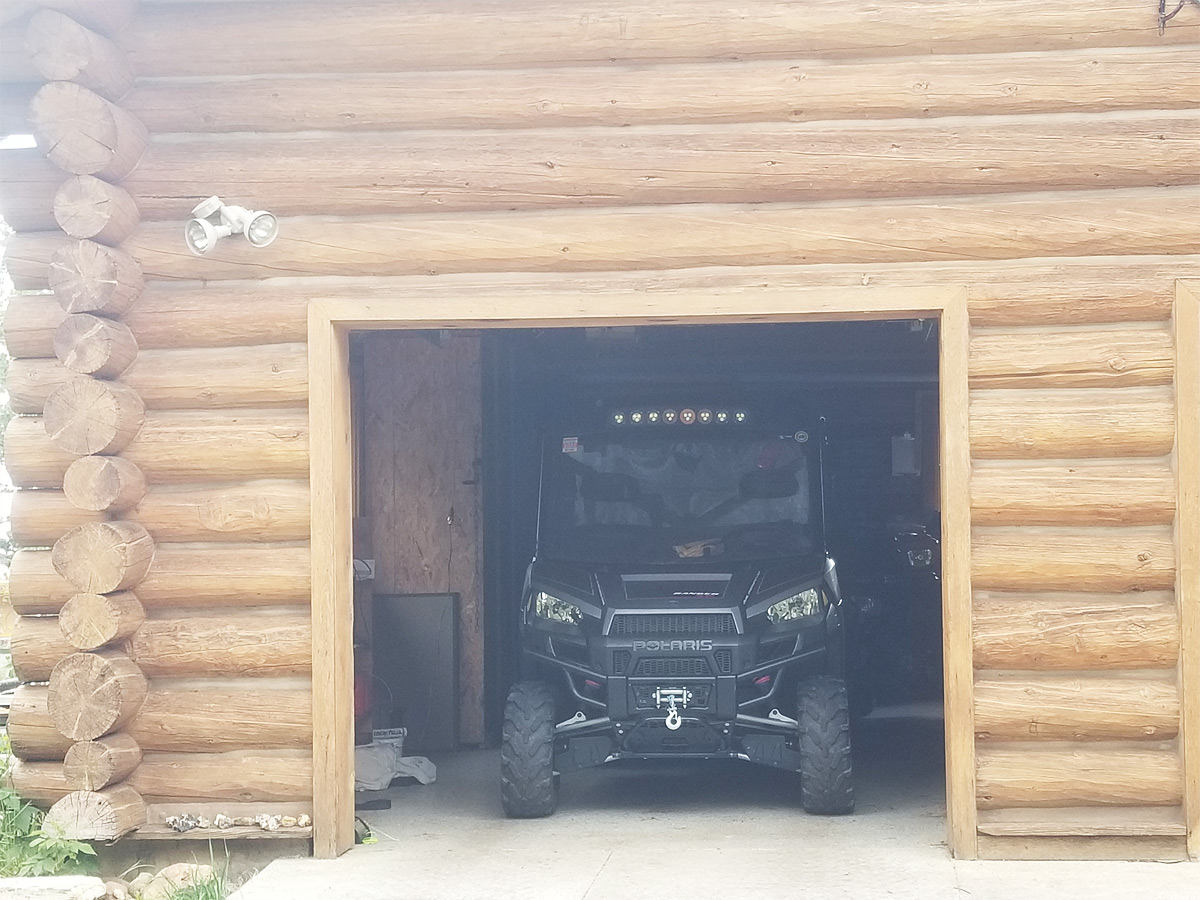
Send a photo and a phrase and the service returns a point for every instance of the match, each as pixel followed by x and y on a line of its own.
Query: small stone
pixel 202 822
pixel 138 885
pixel 173 878
pixel 267 823
pixel 243 821
pixel 220 820
pixel 304 821
pixel 287 821
pixel 117 889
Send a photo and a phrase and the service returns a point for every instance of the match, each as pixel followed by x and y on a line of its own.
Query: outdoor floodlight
pixel 203 232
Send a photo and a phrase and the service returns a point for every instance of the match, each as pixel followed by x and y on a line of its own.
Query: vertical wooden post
pixel 961 812
pixel 332 580
pixel 1186 326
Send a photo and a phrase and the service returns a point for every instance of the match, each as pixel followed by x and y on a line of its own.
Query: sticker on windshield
pixel 571 445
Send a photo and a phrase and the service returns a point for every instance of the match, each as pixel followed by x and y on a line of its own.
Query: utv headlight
pixel 548 607
pixel 797 606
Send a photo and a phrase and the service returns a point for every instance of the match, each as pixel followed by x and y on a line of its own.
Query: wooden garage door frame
pixel 330 322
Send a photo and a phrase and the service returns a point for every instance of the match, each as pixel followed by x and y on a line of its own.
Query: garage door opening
pixel 865 392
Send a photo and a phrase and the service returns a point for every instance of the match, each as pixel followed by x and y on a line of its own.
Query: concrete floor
pixel 718 829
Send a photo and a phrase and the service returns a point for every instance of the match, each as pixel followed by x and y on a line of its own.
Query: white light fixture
pixel 202 232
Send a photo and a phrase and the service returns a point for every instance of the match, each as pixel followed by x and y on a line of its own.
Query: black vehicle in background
pixel 681 604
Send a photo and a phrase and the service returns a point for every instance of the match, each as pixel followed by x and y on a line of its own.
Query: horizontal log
pixel 38 645
pixel 181 576
pixel 439 171
pixel 308 38
pixel 1128 492
pixel 174 447
pixel 211 720
pixel 1072 559
pixel 235 313
pixel 31 731
pixel 1076 708
pixel 84 134
pixel 91 345
pixel 216 721
pixel 93 765
pixel 90 209
pixel 103 815
pixel 107 18
pixel 268 511
pixel 93 694
pixel 215 378
pixel 224 645
pixel 1063 358
pixel 39 518
pixel 41 783
pixel 1081 631
pixel 237 775
pixel 63 50
pixel 28 182
pixel 1072 224
pixel 101 557
pixel 751 91
pixel 1031 776
pixel 1067 424
pixel 103 484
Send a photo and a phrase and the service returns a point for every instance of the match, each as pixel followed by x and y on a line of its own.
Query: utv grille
pixel 621 661
pixel 673 623
pixel 672 667
pixel 724 659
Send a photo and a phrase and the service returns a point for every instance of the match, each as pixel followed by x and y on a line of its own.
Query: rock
pixel 117 888
pixel 139 883
pixel 173 877
pixel 59 887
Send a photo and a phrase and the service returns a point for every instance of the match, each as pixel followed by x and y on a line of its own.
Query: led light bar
pixel 686 416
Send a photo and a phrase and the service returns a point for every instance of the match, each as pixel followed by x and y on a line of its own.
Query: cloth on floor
pixel 375 765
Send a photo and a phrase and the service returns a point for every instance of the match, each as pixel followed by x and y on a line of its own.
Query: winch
pixel 669 697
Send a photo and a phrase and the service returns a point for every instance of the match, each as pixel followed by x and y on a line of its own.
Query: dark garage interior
pixel 452 414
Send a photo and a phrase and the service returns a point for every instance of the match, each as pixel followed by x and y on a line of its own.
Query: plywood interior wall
pixel 1043 155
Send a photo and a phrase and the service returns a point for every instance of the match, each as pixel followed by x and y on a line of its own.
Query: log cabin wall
pixel 1043 155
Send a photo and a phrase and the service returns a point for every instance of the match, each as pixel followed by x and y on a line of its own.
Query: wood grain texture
pixel 85 415
pixel 791 90
pixel 31 731
pixel 93 765
pixel 221 719
pixel 97 815
pixel 87 208
pixel 1084 821
pixel 1116 775
pixel 441 171
pixel 182 576
pixel 91 621
pixel 1090 423
pixel 423 446
pixel 87 277
pixel 1076 631
pixel 63 50
pixel 101 557
pixel 37 646
pixel 299 37
pixel 1064 358
pixel 39 518
pixel 103 484
pixel 1076 708
pixel 1072 559
pixel 225 645
pixel 42 783
pixel 243 775
pixel 84 134
pixel 94 346
pixel 1118 492
pixel 93 694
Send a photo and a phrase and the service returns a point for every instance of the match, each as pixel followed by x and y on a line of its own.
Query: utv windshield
pixel 657 498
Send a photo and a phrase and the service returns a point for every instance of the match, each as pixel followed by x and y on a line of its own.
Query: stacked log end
pixel 69 730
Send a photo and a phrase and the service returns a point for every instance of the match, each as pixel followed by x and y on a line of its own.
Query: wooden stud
pixel 85 416
pixel 84 134
pixel 93 765
pixel 1186 461
pixel 87 208
pixel 104 484
pixel 63 50
pixel 92 694
pixel 97 815
pixel 104 556
pixel 94 346
pixel 89 277
pixel 91 621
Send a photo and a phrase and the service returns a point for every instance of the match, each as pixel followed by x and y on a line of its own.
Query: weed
pixel 26 847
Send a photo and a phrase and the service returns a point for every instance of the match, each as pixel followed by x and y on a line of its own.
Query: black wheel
pixel 826 777
pixel 528 787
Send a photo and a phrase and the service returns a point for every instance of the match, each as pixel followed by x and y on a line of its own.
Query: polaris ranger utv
pixel 680 604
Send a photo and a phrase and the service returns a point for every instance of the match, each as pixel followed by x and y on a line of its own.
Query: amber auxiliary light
pixel 215 220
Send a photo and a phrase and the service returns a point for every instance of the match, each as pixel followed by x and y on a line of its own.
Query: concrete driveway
pixel 722 830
